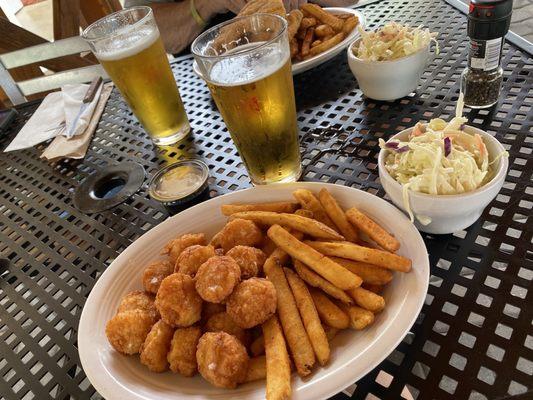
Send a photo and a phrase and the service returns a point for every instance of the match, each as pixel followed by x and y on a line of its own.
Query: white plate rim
pixel 344 376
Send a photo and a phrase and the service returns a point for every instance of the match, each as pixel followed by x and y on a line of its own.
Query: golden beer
pixel 261 118
pixel 246 64
pixel 137 63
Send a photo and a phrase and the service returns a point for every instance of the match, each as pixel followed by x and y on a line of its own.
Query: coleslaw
pixel 393 41
pixel 439 158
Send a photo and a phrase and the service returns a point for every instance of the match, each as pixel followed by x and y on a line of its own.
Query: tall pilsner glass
pixel 246 64
pixel 128 45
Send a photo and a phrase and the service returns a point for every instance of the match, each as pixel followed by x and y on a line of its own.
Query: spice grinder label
pixel 485 54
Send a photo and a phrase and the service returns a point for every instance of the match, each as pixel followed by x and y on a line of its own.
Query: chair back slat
pixel 55 81
pixel 44 51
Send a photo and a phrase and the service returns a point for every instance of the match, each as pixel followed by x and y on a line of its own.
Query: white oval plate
pixel 353 355
pixel 302 66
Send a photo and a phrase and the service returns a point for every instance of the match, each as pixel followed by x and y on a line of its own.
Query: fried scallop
pixel 222 359
pixel 177 301
pixel 127 330
pixel 192 257
pixel 216 278
pixel 250 260
pixel 176 246
pixel 222 322
pixel 182 355
pixel 252 302
pixel 156 347
pixel 154 273
pixel 139 300
pixel 238 232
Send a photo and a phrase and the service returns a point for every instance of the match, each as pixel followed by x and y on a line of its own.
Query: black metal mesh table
pixel 474 337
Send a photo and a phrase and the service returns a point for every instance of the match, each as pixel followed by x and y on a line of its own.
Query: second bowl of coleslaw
pixel 442 177
pixel 389 62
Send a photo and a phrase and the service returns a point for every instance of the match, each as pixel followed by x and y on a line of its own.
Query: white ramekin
pixel 448 213
pixel 388 80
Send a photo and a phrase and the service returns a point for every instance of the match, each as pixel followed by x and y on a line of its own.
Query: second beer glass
pixel 246 64
pixel 128 46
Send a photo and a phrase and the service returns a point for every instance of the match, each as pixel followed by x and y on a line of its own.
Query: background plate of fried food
pixel 287 291
pixel 320 34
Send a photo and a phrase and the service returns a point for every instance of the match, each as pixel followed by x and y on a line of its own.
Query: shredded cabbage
pixel 393 41
pixel 439 158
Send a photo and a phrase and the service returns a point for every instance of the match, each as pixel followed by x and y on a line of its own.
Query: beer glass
pixel 246 64
pixel 128 45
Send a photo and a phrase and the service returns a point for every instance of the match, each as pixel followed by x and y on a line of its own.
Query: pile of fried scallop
pixel 265 295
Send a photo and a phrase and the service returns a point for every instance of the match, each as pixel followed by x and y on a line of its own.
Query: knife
pixel 89 96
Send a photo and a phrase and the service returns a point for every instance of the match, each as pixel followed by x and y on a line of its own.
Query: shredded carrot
pixel 417 131
pixel 480 145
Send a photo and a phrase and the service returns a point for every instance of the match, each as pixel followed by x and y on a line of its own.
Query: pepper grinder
pixel 488 23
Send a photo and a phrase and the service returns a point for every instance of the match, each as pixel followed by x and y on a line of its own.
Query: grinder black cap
pixel 489 19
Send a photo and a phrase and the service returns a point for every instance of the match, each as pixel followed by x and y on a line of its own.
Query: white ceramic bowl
pixel 353 354
pixel 448 213
pixel 388 80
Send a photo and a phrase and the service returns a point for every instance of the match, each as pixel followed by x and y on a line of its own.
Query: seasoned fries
pixel 310 317
pixel 373 230
pixel 359 317
pixel 368 300
pixel 369 273
pixel 293 328
pixel 326 44
pixel 349 24
pixel 304 213
pixel 324 30
pixel 306 225
pixel 294 20
pixel 315 280
pixel 278 367
pixel 333 272
pixel 278 206
pixel 328 311
pixel 256 369
pixel 306 44
pixel 337 215
pixel 308 22
pixel 308 201
pixel 365 254
pixel 323 16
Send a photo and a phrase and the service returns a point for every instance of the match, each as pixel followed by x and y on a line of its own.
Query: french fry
pixel 300 35
pixel 333 272
pixel 350 24
pixel 306 44
pixel 308 22
pixel 369 273
pixel 256 369
pixel 304 213
pixel 328 311
pixel 278 367
pixel 308 201
pixel 293 327
pixel 359 253
pixel 324 30
pixel 316 43
pixel 330 332
pixel 373 230
pixel 278 206
pixel 308 226
pixel 373 288
pixel 323 16
pixel 258 346
pixel 327 44
pixel 359 317
pixel 337 215
pixel 294 19
pixel 293 44
pixel 368 300
pixel 309 315
pixel 315 280
pixel 344 16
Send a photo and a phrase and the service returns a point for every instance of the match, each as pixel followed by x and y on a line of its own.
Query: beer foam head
pixel 127 45
pixel 248 67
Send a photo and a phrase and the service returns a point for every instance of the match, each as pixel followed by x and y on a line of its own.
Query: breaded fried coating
pixel 216 278
pixel 252 302
pixel 156 346
pixel 177 301
pixel 250 260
